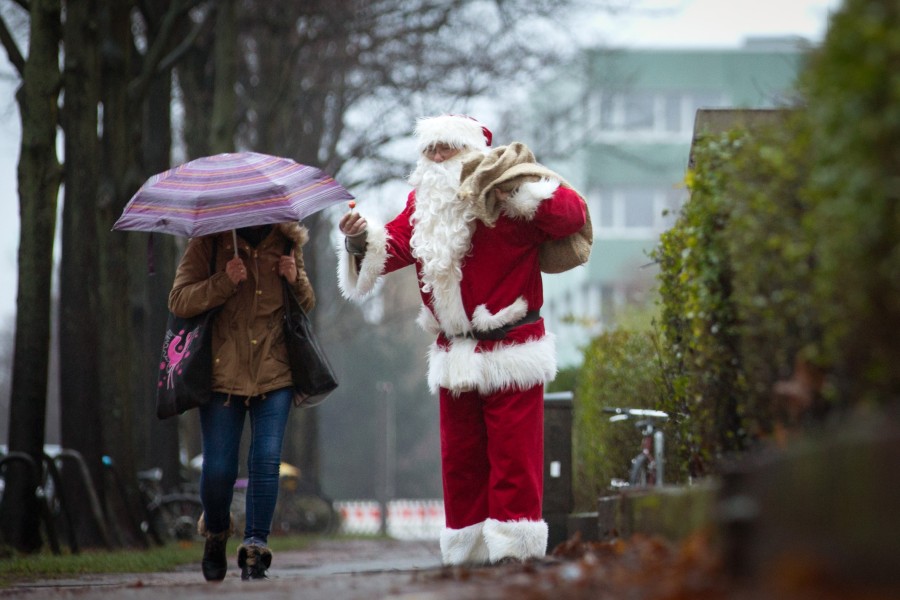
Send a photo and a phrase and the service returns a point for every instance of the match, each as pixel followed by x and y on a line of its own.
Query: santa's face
pixel 440 152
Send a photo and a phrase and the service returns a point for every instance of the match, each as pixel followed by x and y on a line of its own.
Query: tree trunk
pixel 221 135
pixel 119 345
pixel 39 178
pixel 157 441
pixel 80 409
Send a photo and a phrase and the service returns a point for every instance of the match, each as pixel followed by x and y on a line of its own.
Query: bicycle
pixel 647 467
pixel 300 507
pixel 168 516
pixel 164 516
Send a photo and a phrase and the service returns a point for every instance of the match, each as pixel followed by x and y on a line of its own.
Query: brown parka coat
pixel 249 354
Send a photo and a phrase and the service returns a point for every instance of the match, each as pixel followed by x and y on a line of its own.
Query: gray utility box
pixel 558 499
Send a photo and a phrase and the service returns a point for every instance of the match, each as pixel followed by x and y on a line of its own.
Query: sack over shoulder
pixel 314 379
pixel 185 369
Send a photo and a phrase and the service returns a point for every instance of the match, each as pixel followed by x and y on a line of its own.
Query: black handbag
pixel 185 369
pixel 313 377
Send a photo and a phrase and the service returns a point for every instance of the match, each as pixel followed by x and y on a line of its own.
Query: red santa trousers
pixel 492 452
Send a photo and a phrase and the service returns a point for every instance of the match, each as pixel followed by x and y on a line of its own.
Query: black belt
pixel 500 332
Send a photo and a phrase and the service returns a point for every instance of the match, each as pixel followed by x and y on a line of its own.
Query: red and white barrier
pixel 406 519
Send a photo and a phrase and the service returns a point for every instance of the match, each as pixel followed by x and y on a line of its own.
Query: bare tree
pixel 39 177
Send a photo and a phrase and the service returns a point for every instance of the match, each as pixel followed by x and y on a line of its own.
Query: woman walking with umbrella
pixel 251 376
pixel 237 263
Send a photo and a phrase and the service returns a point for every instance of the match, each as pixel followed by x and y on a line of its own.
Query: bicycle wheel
pixel 177 516
pixel 640 471
pixel 305 514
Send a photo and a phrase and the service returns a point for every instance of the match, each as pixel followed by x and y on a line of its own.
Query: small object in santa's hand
pixel 352 204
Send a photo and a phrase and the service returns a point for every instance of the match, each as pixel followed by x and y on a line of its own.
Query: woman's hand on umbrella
pixel 287 267
pixel 235 270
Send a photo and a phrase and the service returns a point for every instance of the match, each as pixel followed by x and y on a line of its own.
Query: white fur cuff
pixel 356 281
pixel 517 539
pixel 464 546
pixel 528 197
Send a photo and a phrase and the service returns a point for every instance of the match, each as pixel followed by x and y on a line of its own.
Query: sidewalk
pixel 334 569
pixel 386 569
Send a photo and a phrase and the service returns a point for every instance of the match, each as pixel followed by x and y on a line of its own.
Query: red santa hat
pixel 455 130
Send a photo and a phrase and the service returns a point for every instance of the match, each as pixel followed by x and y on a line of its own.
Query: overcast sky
pixel 658 24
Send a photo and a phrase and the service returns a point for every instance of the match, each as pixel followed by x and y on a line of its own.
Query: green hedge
pixel 736 290
pixel 853 106
pixel 788 251
pixel 785 260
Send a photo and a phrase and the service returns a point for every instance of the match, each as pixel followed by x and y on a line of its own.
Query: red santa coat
pixel 493 285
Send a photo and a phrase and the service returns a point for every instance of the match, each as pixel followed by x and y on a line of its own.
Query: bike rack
pixel 51 471
pixel 84 474
pixel 35 484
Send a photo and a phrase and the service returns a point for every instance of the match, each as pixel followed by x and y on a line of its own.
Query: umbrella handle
pixel 234 237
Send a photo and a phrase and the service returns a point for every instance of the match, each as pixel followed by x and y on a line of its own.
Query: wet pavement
pixel 339 569
pixel 640 568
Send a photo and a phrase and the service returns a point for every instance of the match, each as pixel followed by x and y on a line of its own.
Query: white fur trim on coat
pixel 517 539
pixel 456 130
pixel 356 282
pixel 483 320
pixel 464 546
pixel 524 203
pixel 427 322
pixel 516 366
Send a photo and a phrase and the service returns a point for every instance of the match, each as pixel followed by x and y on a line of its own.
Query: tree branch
pixel 12 50
pixel 156 53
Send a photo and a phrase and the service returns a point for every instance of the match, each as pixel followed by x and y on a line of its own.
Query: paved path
pixel 334 569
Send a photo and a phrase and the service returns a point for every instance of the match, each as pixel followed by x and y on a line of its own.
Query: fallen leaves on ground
pixel 640 567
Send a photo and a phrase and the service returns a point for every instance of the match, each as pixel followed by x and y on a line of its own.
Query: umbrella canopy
pixel 229 191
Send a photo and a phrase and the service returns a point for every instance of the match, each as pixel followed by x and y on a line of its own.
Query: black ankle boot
pixel 254 561
pixel 215 563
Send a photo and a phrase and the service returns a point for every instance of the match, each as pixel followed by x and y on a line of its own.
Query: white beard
pixel 442 235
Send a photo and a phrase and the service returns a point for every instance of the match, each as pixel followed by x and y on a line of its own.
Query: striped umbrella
pixel 229 191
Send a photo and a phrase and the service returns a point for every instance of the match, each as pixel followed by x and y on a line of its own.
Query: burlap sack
pixel 508 167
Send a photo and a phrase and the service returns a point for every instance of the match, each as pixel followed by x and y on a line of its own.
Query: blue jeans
pixel 221 428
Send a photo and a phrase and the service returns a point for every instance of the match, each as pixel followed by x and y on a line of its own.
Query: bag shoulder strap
pixel 212 256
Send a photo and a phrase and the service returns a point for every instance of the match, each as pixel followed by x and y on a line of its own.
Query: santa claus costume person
pixel 482 292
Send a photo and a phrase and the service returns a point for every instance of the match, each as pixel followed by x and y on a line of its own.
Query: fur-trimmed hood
pixel 296 232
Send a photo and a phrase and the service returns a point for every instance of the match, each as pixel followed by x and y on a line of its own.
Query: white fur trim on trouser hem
pixel 517 539
pixel 356 282
pixel 464 546
pixel 460 368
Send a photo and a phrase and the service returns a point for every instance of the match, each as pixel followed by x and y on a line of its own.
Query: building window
pixel 672 113
pixel 639 208
pixel 635 212
pixel 662 113
pixel 607 111
pixel 638 112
